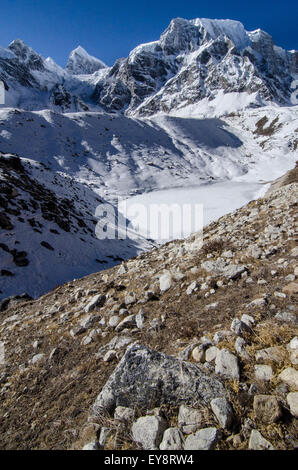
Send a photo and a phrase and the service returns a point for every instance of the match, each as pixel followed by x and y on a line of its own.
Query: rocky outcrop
pixel 146 378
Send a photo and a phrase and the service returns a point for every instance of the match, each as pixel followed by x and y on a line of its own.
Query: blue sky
pixel 110 29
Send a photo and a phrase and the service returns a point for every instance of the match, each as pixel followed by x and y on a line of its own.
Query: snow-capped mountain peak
pixel 82 63
pixel 192 61
pixel 26 54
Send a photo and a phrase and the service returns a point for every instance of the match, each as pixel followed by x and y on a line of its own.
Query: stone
pixel 291 288
pixel 221 336
pixel 92 446
pixel 189 419
pixel 275 354
pixel 280 295
pixel 260 302
pixel 292 399
pixel 239 327
pixel 258 442
pixel 263 372
pixel 198 353
pixel 240 345
pixel 165 282
pixel 124 413
pixel 127 322
pixel 114 321
pixel 140 319
pixel 293 344
pixel 234 271
pixel 226 364
pixel 248 319
pixel 290 278
pixel 148 431
pixel 205 439
pixel 267 408
pixel 130 298
pixel 211 353
pixel 172 440
pixel 187 351
pixel 287 317
pixel 290 377
pixel 109 356
pixel 96 302
pixel 77 330
pixel 89 321
pixel 192 288
pixel 223 412
pixel 37 358
pixel 105 433
pixel 146 376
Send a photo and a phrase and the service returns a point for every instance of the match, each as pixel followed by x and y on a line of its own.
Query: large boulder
pixel 145 379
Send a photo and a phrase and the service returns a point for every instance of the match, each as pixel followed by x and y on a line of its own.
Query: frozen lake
pixel 175 213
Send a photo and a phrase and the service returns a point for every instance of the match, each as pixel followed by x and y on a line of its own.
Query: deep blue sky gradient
pixel 110 29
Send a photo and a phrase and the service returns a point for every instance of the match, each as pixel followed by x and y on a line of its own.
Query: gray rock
pixel 127 322
pixel 226 364
pixel 172 440
pixel 274 353
pixel 140 319
pixel 290 377
pixel 258 442
pixel 124 413
pixel 263 373
pixel 148 431
pixel 114 321
pixel 287 317
pixel 37 358
pixel 205 439
pixel 165 282
pixel 92 446
pixel 186 352
pixel 114 345
pixel 239 327
pixel 221 336
pixel 223 412
pixel 144 377
pixel 211 353
pixel 292 399
pixel 192 288
pixel 89 321
pixel 109 356
pixel 77 330
pixel 96 302
pixel 130 298
pixel 189 419
pixel 240 345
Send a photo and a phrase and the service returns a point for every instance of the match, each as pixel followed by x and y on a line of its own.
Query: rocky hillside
pixel 188 346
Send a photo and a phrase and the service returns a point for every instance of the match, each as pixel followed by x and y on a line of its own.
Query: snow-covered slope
pixel 48 229
pixel 82 63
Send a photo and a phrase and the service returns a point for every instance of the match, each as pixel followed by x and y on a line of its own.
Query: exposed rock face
pixel 192 60
pixel 145 376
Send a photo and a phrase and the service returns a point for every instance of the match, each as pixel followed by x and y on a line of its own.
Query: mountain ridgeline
pixel 193 60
